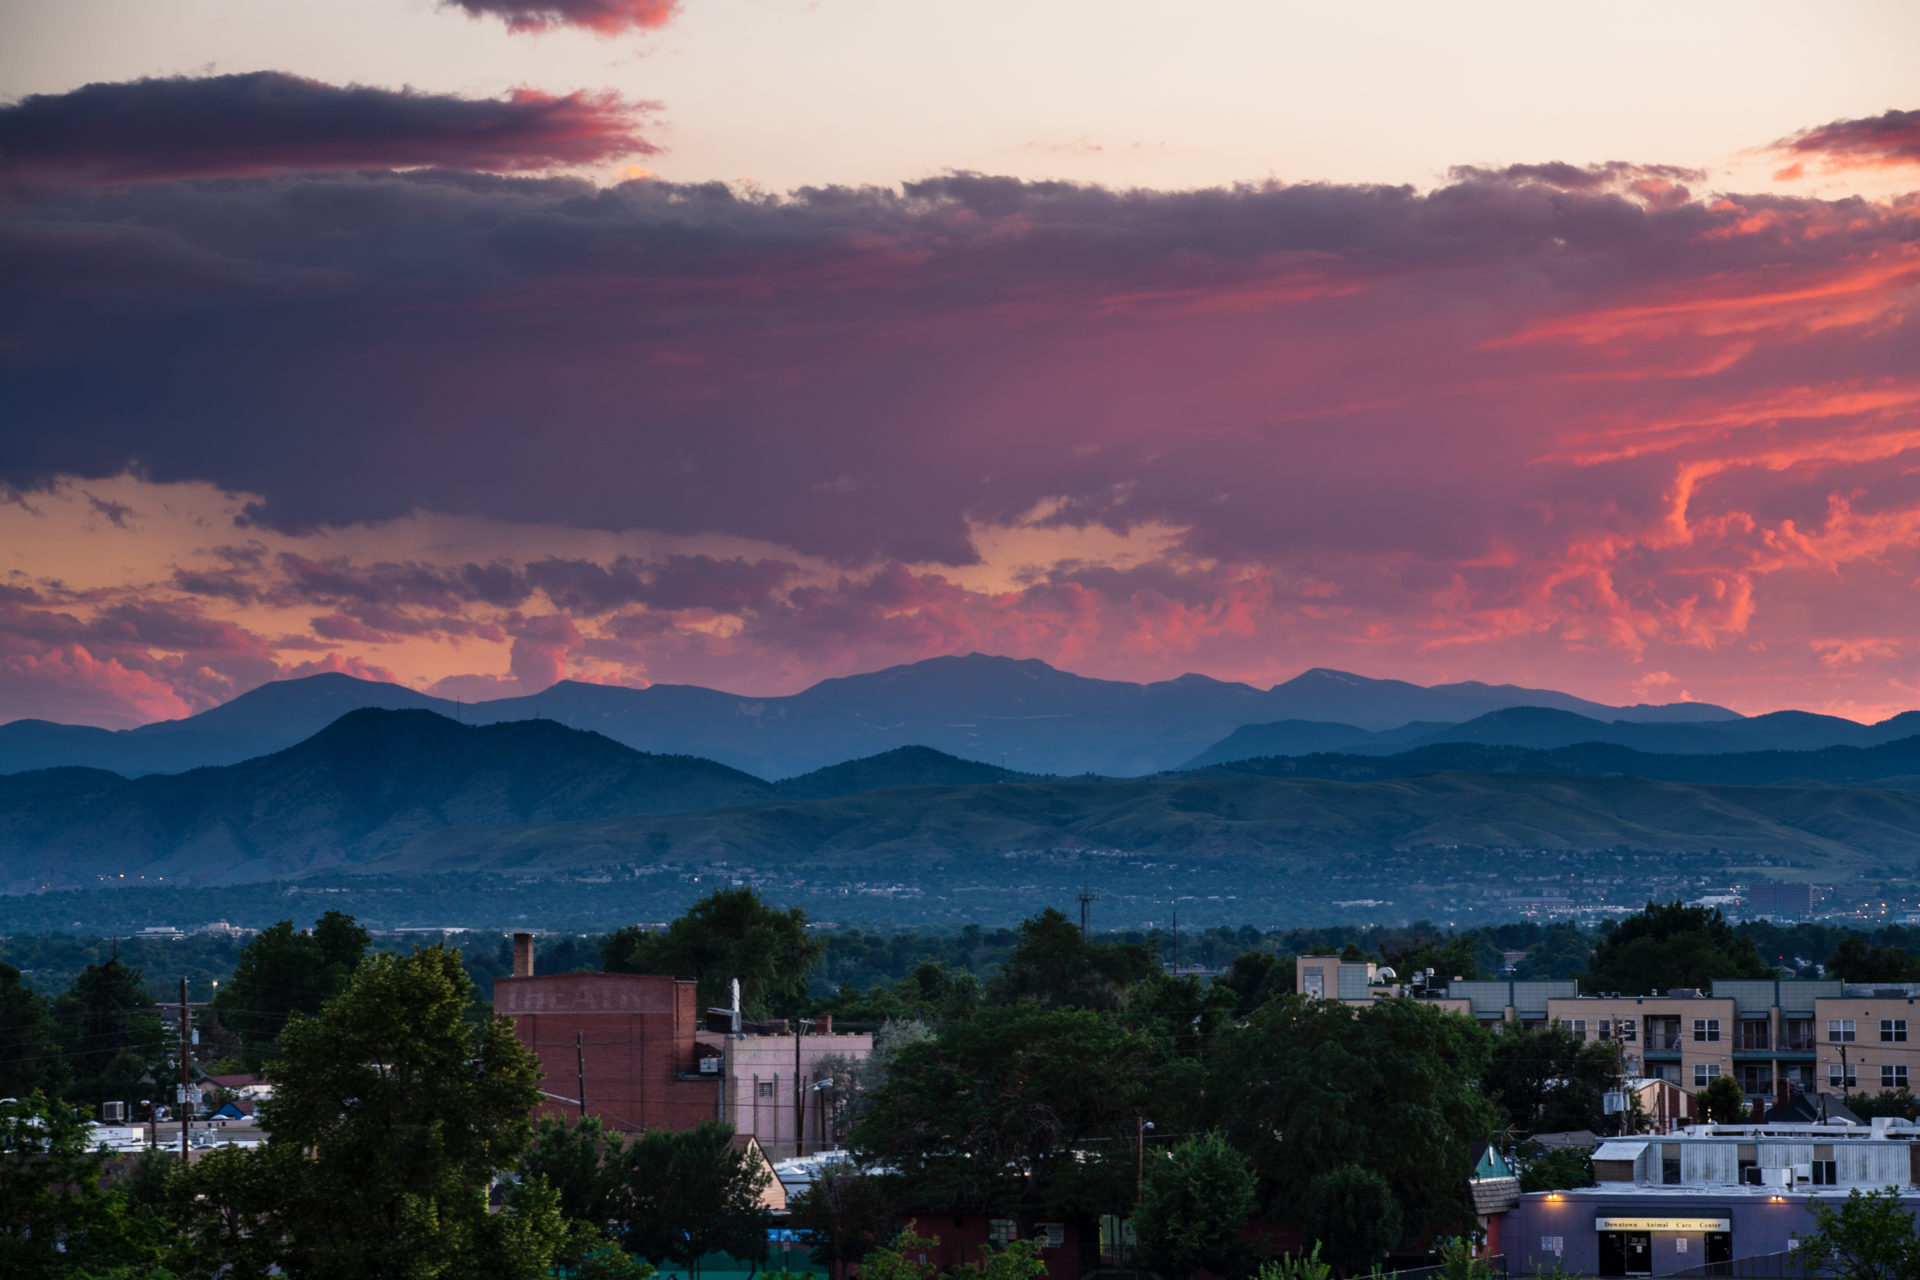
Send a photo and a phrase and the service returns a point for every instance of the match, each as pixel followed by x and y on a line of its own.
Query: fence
pixel 1495 1266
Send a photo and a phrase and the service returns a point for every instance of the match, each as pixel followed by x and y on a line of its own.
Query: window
pixel 1579 1027
pixel 1606 1028
pixel 1839 1030
pixel 1314 981
pixel 1706 1028
pixel 1754 1033
pixel 1824 1174
pixel 763 1088
pixel 1842 1077
pixel 1893 1077
pixel 1002 1231
pixel 1756 1078
pixel 1893 1030
pixel 1703 1072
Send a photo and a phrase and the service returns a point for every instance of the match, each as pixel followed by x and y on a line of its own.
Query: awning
pixel 1619 1150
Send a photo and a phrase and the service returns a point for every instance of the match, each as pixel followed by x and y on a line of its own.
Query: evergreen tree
pixel 285 971
pixel 30 1053
pixel 115 1044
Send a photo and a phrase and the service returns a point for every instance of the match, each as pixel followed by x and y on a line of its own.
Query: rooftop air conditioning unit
pixel 113 1113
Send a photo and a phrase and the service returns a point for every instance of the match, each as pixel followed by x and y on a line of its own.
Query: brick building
pixel 633 1040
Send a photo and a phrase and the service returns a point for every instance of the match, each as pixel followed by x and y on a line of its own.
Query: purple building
pixel 1711 1193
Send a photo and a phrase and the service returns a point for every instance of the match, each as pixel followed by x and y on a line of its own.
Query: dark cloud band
pixel 268 122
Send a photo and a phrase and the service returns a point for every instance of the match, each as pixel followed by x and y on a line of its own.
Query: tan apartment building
pixel 1770 1034
pixel 1868 1039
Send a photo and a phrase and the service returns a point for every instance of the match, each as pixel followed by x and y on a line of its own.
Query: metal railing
pixel 1790 1265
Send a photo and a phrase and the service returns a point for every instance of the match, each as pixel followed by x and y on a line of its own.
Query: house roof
pixel 1581 1139
pixel 1494 1195
pixel 1806 1108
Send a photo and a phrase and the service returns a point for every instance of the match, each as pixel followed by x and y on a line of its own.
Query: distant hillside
pixel 901 767
pixel 1887 765
pixel 1022 713
pixel 365 783
pixel 1546 728
pixel 410 792
pixel 1262 826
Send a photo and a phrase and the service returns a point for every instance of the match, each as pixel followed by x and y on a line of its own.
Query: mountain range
pixel 1546 728
pixel 414 792
pixel 1023 714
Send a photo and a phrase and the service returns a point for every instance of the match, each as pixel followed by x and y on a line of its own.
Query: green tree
pixel 30 1056
pixel 57 1219
pixel 1888 1102
pixel 730 933
pixel 392 1114
pixel 1256 977
pixel 1054 966
pixel 1022 1110
pixel 906 1258
pixel 1869 1237
pixel 1722 1102
pixel 1562 951
pixel 1352 1214
pixel 1857 960
pixel 932 993
pixel 221 1206
pixel 580 1162
pixel 1193 1204
pixel 1307 1085
pixel 115 1044
pixel 1560 1170
pixel 1549 1080
pixel 1670 945
pixel 285 971
pixel 683 1195
pixel 846 1213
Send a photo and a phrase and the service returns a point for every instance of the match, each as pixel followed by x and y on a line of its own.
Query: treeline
pixel 858 959
pixel 1079 1078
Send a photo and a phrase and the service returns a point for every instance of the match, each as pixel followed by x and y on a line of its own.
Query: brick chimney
pixel 523 955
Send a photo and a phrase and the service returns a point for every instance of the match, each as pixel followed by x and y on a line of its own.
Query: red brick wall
pixel 637 1035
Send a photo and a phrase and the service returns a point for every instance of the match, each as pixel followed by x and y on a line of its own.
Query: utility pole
pixel 186 1076
pixel 1140 1158
pixel 799 1094
pixel 1087 899
pixel 580 1065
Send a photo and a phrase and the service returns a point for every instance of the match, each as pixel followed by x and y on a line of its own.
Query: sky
pixel 481 344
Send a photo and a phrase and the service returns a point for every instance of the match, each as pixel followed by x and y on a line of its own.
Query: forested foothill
pixel 1037 1073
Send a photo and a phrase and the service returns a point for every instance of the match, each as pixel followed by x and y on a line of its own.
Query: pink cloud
pixel 1527 425
pixel 1889 140
pixel 605 17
